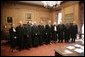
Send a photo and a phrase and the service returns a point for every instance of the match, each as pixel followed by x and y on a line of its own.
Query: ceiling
pixel 33 2
pixel 36 3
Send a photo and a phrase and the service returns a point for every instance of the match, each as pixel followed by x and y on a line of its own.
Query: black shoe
pixel 58 41
pixel 11 50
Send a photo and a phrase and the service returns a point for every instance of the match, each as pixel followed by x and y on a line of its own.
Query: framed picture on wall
pixel 28 16
pixel 9 19
pixel 69 17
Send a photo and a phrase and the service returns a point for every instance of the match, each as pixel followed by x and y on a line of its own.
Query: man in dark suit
pixel 63 31
pixel 12 33
pixel 40 34
pixel 74 31
pixel 48 32
pixel 60 29
pixel 67 32
pixel 54 32
pixel 44 34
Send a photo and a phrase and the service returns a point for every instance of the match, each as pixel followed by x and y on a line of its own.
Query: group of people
pixel 30 34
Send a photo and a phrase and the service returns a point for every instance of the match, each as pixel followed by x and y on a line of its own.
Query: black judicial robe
pixel 25 39
pixel 35 35
pixel 41 33
pixel 32 34
pixel 29 34
pixel 20 35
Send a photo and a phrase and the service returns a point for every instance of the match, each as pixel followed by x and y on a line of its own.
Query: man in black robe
pixel 20 34
pixel 29 38
pixel 35 34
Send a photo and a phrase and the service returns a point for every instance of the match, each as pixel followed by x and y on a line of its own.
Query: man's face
pixel 30 21
pixel 54 23
pixel 49 22
pixel 5 26
pixel 12 25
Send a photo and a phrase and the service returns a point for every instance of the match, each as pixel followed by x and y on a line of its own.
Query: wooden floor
pixel 43 50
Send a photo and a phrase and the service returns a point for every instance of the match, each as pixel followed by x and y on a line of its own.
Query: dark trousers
pixel 54 37
pixel 35 40
pixel 60 37
pixel 73 37
pixel 13 43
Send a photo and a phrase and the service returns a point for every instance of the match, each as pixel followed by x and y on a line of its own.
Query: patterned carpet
pixel 43 50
